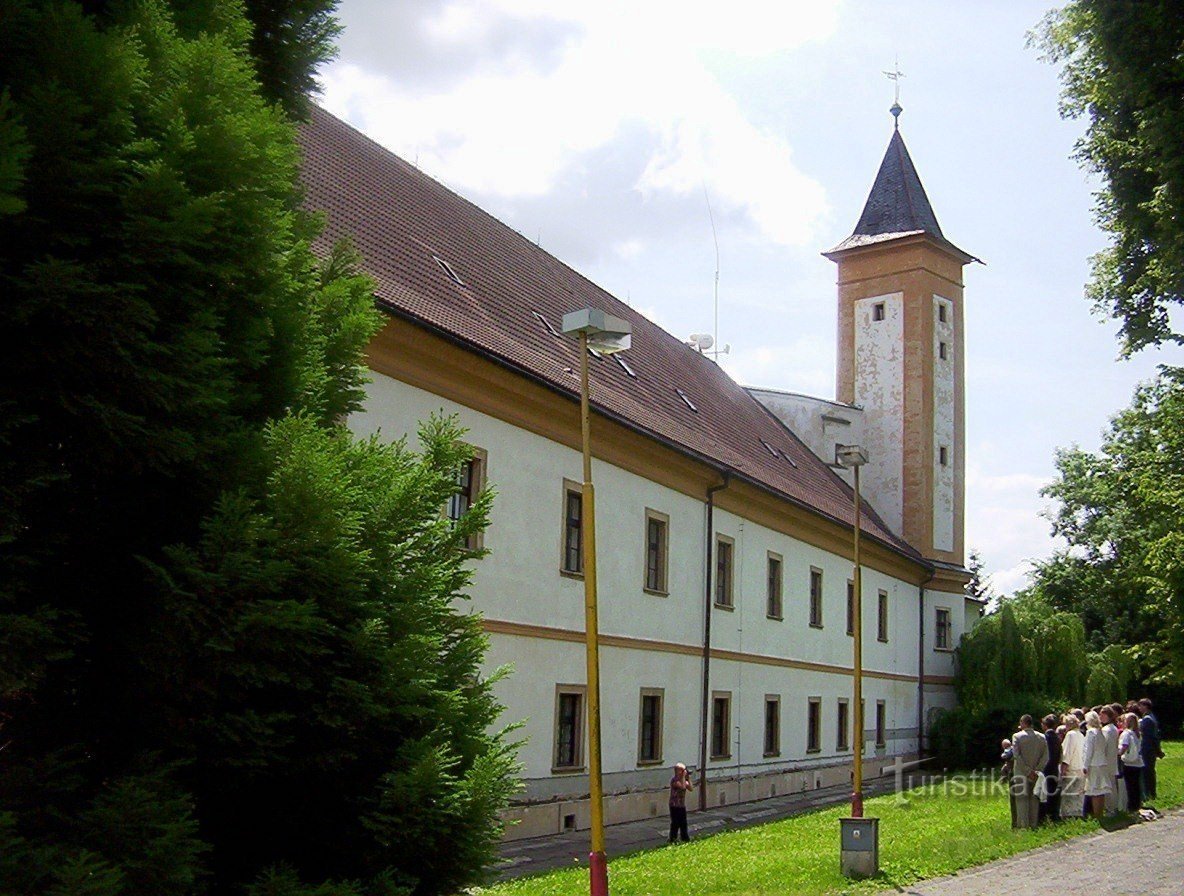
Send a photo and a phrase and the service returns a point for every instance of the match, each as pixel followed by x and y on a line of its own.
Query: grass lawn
pixel 925 835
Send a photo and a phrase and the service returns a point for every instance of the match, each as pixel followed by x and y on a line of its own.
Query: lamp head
pixel 850 456
pixel 606 334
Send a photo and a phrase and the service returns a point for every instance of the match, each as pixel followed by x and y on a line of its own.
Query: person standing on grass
pixel 1031 755
pixel 1072 769
pixel 1130 752
pixel 1115 800
pixel 680 785
pixel 1152 751
pixel 1098 780
pixel 1050 809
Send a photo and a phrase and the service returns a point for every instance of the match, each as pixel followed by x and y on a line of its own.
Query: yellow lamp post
pixel 604 334
pixel 860 855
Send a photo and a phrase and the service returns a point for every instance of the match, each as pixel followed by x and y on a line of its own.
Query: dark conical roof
pixel 896 206
pixel 897 202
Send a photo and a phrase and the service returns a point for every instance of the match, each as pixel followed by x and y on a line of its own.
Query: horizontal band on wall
pixel 548 633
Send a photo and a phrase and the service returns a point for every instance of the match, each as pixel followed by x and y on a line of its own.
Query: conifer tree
pixel 230 654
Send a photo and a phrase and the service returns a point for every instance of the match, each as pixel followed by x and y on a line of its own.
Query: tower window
pixel 943 455
pixel 942 351
pixel 878 311
pixel 941 312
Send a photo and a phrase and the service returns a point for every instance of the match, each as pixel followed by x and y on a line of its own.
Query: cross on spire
pixel 895 77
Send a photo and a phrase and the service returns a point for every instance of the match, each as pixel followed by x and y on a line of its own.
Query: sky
pixel 649 144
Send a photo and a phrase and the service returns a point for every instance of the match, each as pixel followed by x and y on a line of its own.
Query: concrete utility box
pixel 859 855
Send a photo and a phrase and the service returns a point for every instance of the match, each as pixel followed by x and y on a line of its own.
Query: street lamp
pixel 859 854
pixel 604 334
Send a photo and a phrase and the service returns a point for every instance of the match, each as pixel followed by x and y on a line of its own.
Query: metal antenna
pixel 715 240
pixel 895 77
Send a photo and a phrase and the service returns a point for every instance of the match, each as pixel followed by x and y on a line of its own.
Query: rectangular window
pixel 816 597
pixel 878 311
pixel 942 352
pixel 943 455
pixel 843 730
pixel 721 725
pixel 470 480
pixel 723 571
pixel 881 723
pixel 850 607
pixel 814 725
pixel 573 528
pixel 649 726
pixel 882 616
pixel 657 533
pixel 569 727
pixel 942 632
pixel 773 603
pixel 941 312
pixel 772 725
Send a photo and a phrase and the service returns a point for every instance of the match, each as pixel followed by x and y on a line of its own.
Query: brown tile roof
pixel 401 220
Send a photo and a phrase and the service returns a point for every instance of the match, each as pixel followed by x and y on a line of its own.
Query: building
pixel 724 529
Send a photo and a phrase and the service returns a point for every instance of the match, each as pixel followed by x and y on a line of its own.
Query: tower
pixel 900 357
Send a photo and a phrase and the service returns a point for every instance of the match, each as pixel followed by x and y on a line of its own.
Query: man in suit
pixel 1150 748
pixel 1114 799
pixel 1030 750
pixel 1051 809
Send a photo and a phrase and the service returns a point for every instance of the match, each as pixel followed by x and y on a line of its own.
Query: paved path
pixel 522 857
pixel 1152 851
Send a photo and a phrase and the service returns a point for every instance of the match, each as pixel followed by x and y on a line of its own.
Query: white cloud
pixel 511 129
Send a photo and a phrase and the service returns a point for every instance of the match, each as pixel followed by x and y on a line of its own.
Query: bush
pixel 968 737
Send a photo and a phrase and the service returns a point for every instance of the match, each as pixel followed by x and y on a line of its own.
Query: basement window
pixel 447 269
pixel 686 400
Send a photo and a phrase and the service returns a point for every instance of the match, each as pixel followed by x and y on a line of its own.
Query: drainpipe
pixel 704 710
pixel 921 666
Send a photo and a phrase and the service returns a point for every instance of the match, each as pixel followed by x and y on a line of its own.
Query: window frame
pixel 478 466
pixel 813 724
pixel 729 581
pixel 938 628
pixel 881 723
pixel 882 616
pixel 661 585
pixel 658 694
pixel 843 725
pixel 724 726
pixel 774 586
pixel 579 691
pixel 772 746
pixel 815 608
pixel 570 488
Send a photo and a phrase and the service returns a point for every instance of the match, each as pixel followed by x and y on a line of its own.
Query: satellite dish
pixel 701 341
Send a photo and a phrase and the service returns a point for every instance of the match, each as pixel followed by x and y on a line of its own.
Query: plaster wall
pixel 944 431
pixel 821 424
pixel 879 389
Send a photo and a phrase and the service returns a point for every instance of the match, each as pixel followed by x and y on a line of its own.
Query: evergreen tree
pixel 230 650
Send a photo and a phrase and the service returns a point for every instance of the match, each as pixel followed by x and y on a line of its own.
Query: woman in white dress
pixel 1072 770
pixel 1130 753
pixel 1099 781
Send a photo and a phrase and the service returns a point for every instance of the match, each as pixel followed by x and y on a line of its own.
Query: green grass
pixel 925 835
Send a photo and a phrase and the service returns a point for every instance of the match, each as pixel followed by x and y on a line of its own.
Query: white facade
pixel 879 389
pixel 944 349
pixel 535 615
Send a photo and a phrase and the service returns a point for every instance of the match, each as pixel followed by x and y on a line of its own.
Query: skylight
pixel 773 451
pixel 625 367
pixel 447 269
pixel 546 323
pixel 686 400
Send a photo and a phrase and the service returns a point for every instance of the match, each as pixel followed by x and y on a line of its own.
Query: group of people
pixel 1087 762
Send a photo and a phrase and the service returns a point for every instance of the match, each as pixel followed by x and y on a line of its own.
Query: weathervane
pixel 895 76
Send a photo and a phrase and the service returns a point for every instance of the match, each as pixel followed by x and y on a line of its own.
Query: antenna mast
pixel 715 239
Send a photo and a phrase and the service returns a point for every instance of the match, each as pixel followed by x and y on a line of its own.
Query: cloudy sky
pixel 615 133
